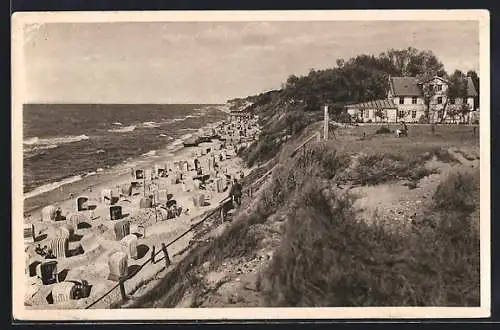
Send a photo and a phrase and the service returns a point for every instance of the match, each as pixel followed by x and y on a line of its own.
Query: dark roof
pixel 377 104
pixel 409 86
pixel 405 86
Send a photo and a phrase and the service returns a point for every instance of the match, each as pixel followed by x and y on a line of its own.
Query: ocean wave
pixel 100 151
pixel 123 129
pixel 117 123
pixel 36 141
pixel 150 124
pixel 150 153
pixel 33 148
pixel 187 130
pixel 51 186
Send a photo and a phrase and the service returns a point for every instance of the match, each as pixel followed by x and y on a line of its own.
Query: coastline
pixel 97 239
pixel 114 175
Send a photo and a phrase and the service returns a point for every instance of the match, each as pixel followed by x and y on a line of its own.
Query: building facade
pixel 405 102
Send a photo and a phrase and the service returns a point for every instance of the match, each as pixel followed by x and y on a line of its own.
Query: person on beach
pixel 50 255
pixel 403 130
pixel 236 192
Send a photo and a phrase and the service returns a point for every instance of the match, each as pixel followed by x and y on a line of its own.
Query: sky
pixel 211 62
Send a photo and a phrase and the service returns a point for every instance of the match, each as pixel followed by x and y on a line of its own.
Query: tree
pixel 457 89
pixel 463 111
pixel 411 62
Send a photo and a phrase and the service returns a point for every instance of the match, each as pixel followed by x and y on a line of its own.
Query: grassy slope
pixel 328 257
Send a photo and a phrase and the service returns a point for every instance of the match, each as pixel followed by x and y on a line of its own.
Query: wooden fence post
pixel 153 254
pixel 222 214
pixel 165 253
pixel 122 289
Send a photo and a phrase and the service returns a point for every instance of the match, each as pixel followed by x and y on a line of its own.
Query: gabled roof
pixel 423 80
pixel 377 104
pixel 409 86
pixel 405 86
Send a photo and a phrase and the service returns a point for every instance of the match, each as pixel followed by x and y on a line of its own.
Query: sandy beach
pixel 90 234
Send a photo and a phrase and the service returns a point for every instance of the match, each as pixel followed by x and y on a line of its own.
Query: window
pixel 401 113
pixel 452 101
pixel 440 100
pixel 367 113
pixel 401 100
pixel 414 100
pixel 431 87
pixel 414 114
pixel 439 88
pixel 440 114
pixel 464 100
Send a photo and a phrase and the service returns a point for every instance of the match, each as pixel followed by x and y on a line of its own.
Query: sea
pixel 63 143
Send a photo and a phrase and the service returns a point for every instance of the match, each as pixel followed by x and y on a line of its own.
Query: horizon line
pixel 110 103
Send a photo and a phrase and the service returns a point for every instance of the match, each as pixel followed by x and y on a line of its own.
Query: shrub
pixel 384 167
pixel 265 149
pixel 383 130
pixel 459 191
pixel 324 160
pixel 343 117
pixel 329 258
pixel 441 154
pixel 318 161
pixel 423 120
pixel 369 121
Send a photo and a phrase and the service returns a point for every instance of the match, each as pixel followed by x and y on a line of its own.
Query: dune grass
pixel 329 258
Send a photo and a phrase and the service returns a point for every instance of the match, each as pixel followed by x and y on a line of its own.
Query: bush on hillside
pixel 265 148
pixel 441 154
pixel 329 258
pixel 325 160
pixel 384 167
pixel 459 191
pixel 318 161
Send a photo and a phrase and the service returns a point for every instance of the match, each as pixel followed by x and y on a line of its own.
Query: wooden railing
pixel 316 136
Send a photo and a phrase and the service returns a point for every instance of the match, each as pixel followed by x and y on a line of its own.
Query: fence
pixel 316 135
pixel 163 250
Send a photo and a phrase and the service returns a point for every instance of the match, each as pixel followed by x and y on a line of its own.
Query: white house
pixel 405 101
